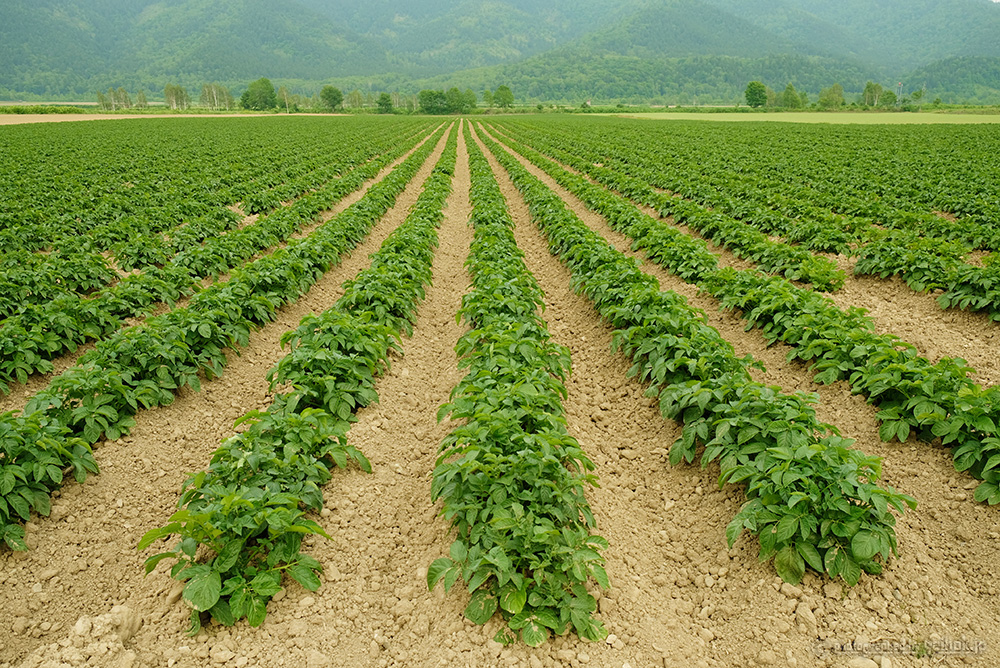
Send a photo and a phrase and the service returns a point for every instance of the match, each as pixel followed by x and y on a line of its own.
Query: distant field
pixel 825 117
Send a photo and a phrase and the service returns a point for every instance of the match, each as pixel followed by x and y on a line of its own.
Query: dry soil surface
pixel 680 597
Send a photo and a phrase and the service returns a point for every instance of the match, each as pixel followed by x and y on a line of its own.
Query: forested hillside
pixel 666 51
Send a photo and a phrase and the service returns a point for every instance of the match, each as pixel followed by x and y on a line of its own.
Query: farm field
pixel 164 277
pixel 842 118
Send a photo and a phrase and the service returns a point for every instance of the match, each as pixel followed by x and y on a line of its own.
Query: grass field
pixel 888 118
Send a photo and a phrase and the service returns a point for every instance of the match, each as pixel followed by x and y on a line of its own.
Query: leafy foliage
pixel 144 366
pixel 812 500
pixel 511 478
pixel 249 507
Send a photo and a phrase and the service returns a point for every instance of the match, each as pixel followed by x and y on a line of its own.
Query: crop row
pixel 249 508
pixel 930 264
pixel 105 185
pixel 38 333
pixel 813 501
pixel 933 400
pixel 157 215
pixel 744 241
pixel 924 262
pixel 645 174
pixel 143 366
pixel 894 177
pixel 511 478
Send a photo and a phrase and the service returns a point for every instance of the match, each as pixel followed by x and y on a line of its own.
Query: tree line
pixel 874 96
pixel 261 95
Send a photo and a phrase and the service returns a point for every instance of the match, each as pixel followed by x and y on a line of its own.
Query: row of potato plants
pixel 737 195
pixel 883 185
pixel 143 366
pixel 37 333
pixel 74 184
pixel 250 508
pixel 510 476
pixel 306 177
pixel 932 264
pixel 744 241
pixel 813 500
pixel 145 235
pixel 31 278
pixel 936 400
pixel 927 255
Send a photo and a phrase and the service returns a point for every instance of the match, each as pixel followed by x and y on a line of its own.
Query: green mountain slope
pixel 683 28
pixel 637 50
pixel 966 79
pixel 899 34
pixel 58 47
pixel 437 36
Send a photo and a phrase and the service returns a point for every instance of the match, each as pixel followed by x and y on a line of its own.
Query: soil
pixel 680 597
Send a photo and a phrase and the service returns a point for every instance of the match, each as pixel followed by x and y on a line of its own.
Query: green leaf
pixel 789 565
pixel 266 584
pixel 153 535
pixel 811 555
pixel 458 551
pixel 256 611
pixel 305 576
pixel 534 633
pixel 482 606
pixel 226 559
pixel 203 588
pixel 601 576
pixel 438 570
pixel 865 545
pixel 513 599
pixel 222 613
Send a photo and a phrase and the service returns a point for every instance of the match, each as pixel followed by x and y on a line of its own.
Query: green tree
pixel 332 97
pixel 384 103
pixel 215 96
pixel 432 102
pixel 871 94
pixel 803 99
pixel 888 99
pixel 790 98
pixel 488 98
pixel 756 94
pixel 503 97
pixel 355 99
pixel 454 101
pixel 470 99
pixel 259 95
pixel 832 97
pixel 140 100
pixel 176 96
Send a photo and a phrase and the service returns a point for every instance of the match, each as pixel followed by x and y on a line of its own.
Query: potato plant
pixel 250 507
pixel 144 366
pixel 510 476
pixel 812 500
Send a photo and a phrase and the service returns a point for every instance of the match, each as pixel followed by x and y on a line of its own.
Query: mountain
pixel 903 34
pixel 76 47
pixel 548 50
pixel 437 36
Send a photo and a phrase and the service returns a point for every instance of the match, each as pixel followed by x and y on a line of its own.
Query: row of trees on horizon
pixel 873 96
pixel 261 95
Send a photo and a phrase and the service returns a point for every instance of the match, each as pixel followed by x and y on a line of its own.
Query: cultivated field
pixel 357 356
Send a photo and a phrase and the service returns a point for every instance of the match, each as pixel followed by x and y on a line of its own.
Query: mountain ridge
pixel 664 51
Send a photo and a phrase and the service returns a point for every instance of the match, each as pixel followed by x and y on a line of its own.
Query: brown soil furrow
pixel 655 517
pixel 896 309
pixel 83 561
pixel 949 539
pixel 374 607
pixel 20 393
